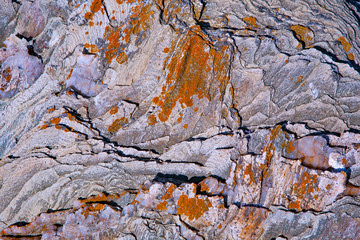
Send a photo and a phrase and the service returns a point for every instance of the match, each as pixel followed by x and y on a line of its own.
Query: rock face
pixel 180 119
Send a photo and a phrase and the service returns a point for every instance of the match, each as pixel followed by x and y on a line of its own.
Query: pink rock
pixel 84 77
pixel 19 70
pixel 31 21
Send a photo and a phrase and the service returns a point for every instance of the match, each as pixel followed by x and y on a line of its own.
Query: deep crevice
pixel 28 39
pixel 177 179
pixel 333 57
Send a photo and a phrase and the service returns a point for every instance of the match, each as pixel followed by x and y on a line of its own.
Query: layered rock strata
pixel 179 119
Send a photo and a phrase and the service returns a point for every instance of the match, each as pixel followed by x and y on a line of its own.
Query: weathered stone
pixel 179 119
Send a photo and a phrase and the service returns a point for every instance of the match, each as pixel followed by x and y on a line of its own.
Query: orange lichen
pixel 185 126
pixel 162 206
pixel 294 204
pixel 57 126
pixel 345 44
pixel 351 56
pixel 269 151
pixel 169 192
pixel 193 208
pixel 113 45
pixel 306 185
pixel 45 126
pixel 166 50
pixel 287 60
pixel 248 171
pixel 8 78
pixel 92 48
pixel 103 197
pixel 122 58
pixel 304 34
pixel 51 109
pixel 69 76
pixel 179 120
pixel 70 116
pixel 117 124
pixel 114 110
pixel 92 209
pixel 96 6
pixel 140 18
pixel 204 187
pixel 351 190
pixel 55 120
pixel 196 109
pixel 155 100
pixel 190 74
pixel 139 21
pixel 251 22
pixel 252 219
pixel 151 119
pixel 288 146
pixel 270 147
pixel 298 80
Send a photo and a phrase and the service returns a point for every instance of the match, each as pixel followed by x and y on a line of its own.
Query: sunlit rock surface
pixel 179 119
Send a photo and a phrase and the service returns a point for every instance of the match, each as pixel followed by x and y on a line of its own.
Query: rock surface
pixel 179 119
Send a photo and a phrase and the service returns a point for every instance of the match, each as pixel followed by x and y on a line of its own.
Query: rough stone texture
pixel 179 119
